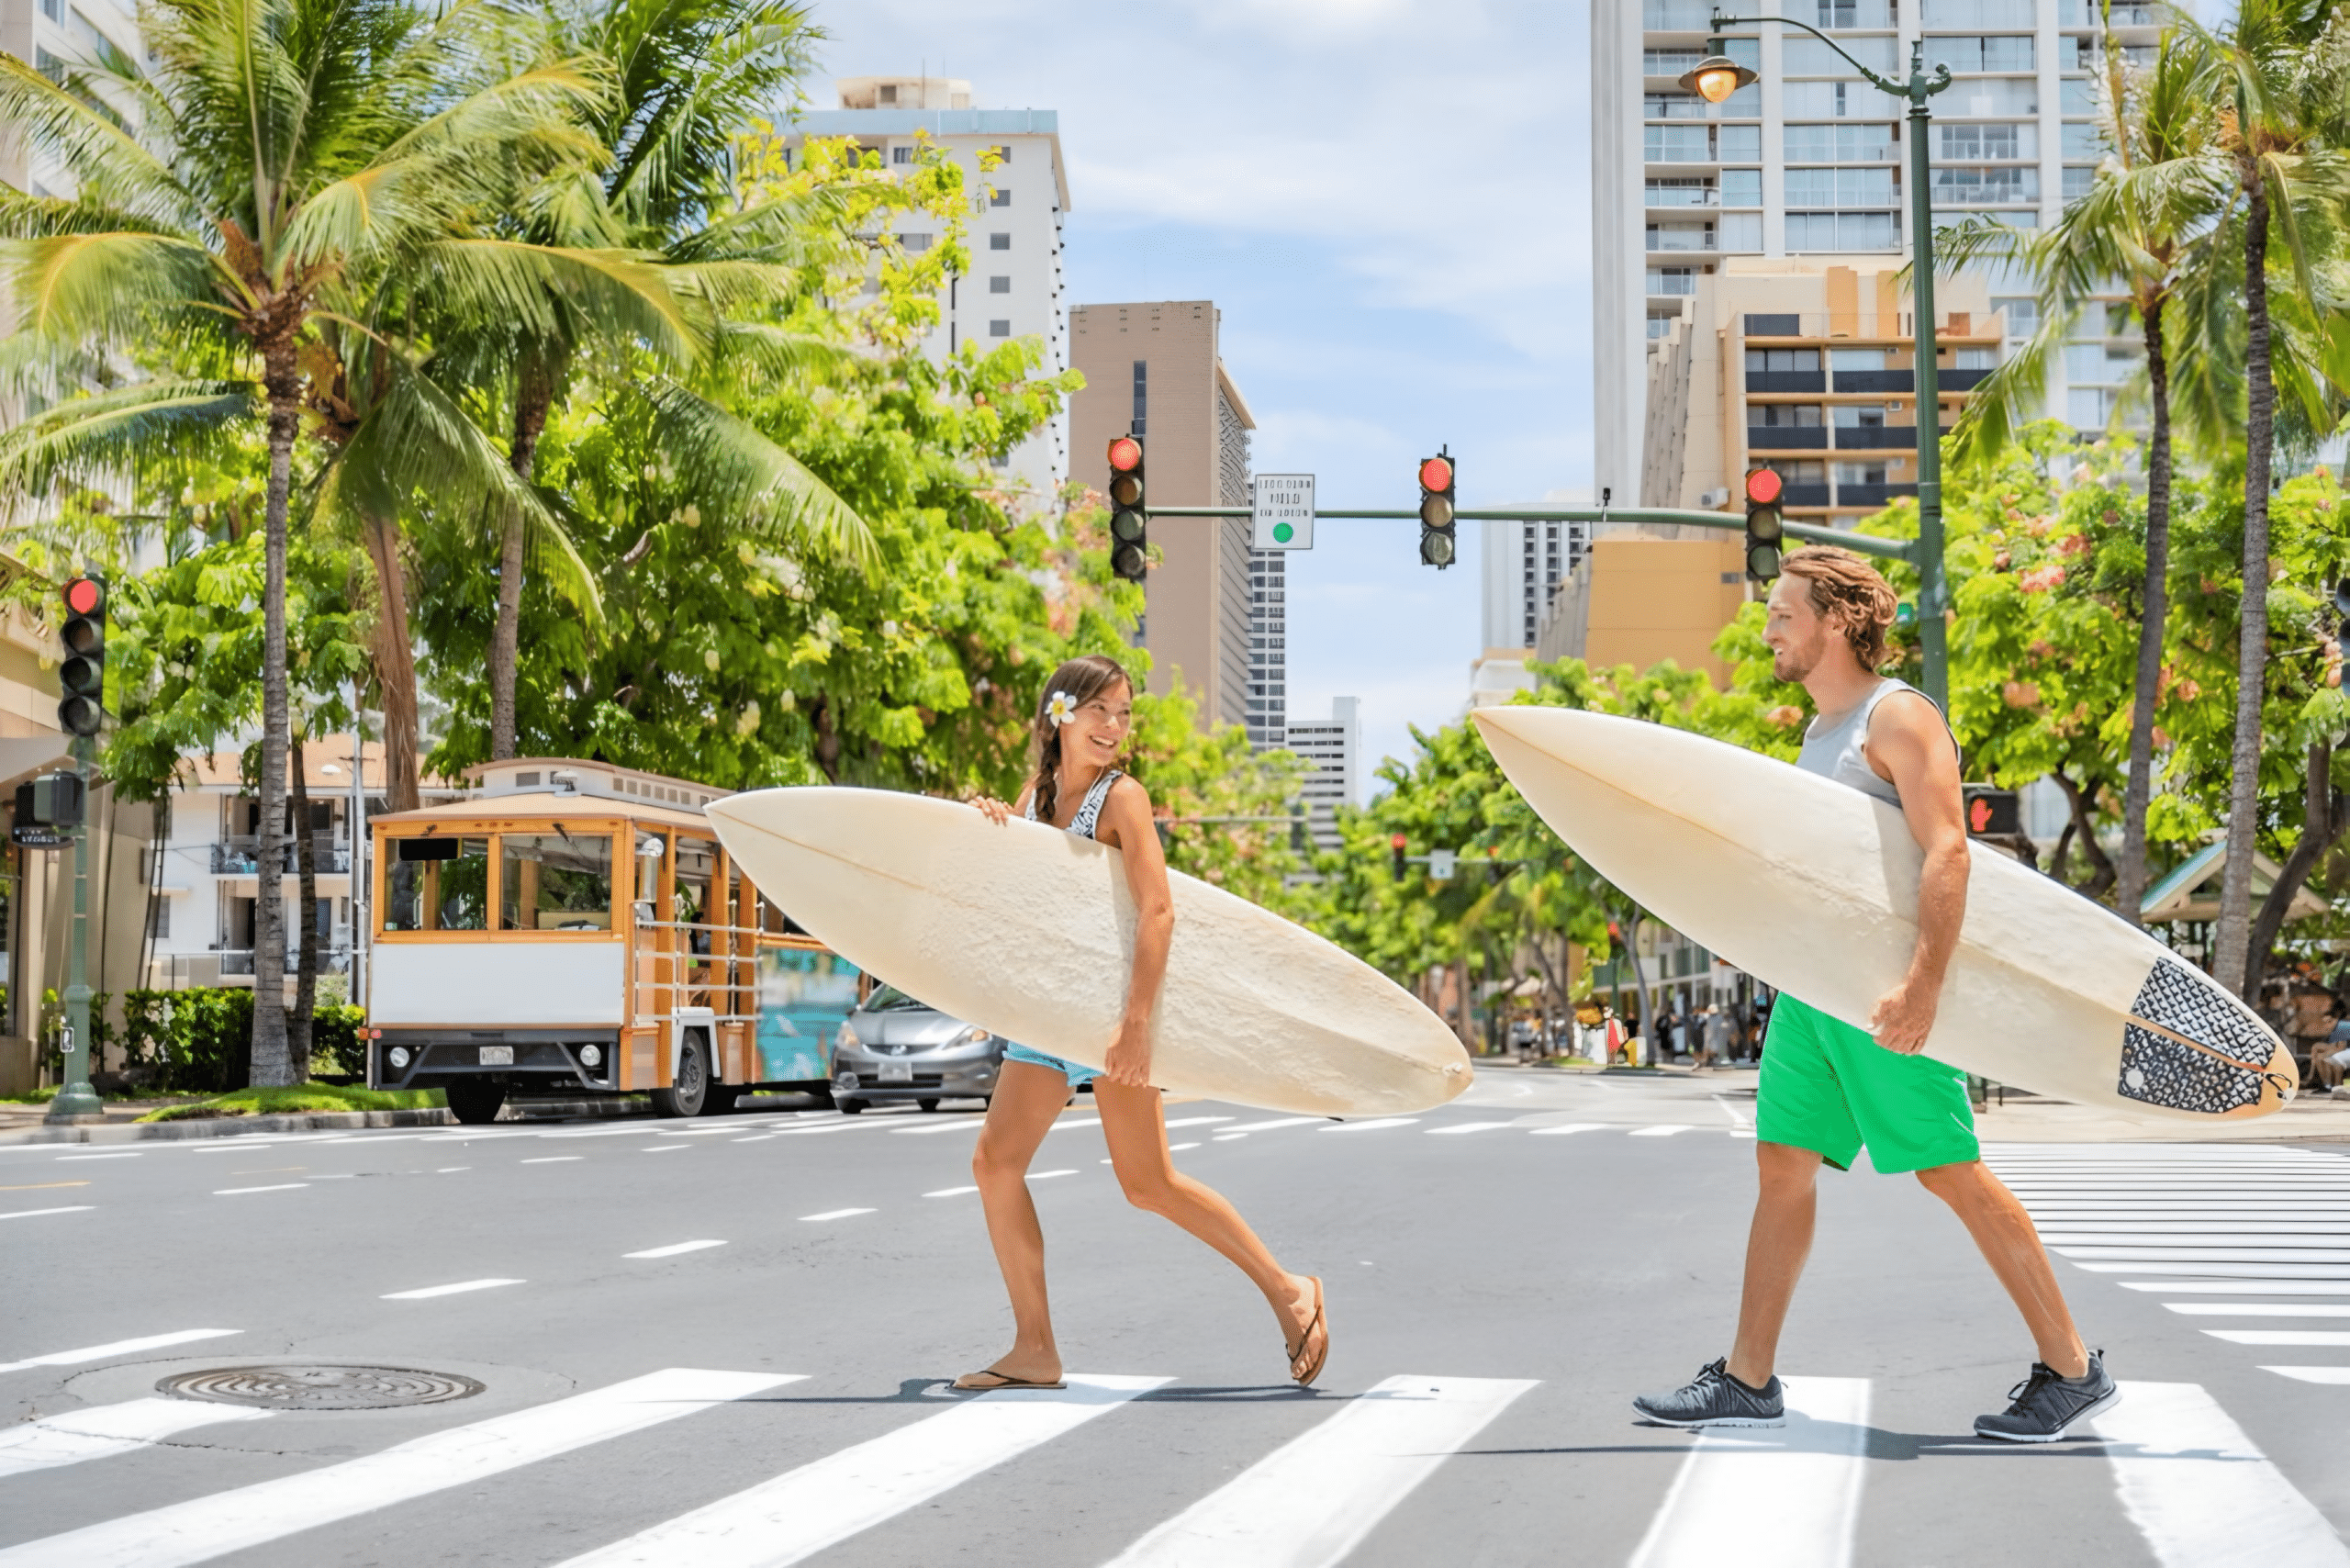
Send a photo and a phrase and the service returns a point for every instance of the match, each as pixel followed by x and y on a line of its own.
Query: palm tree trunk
pixel 2154 609
pixel 505 636
pixel 2231 940
pixel 394 657
pixel 272 1067
pixel 2323 820
pixel 305 971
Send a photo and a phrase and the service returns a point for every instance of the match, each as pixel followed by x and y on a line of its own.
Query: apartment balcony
pixel 234 966
pixel 1804 495
pixel 1870 326
pixel 1878 438
pixel 1787 438
pixel 1786 381
pixel 1872 495
pixel 1875 381
pixel 1951 380
pixel 242 857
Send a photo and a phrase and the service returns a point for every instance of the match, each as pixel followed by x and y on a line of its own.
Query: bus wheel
pixel 474 1100
pixel 724 1098
pixel 848 1107
pixel 691 1093
pixel 927 1104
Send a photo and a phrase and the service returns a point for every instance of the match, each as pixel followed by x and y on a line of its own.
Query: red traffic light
pixel 1435 473
pixel 84 596
pixel 1396 843
pixel 1126 455
pixel 1763 486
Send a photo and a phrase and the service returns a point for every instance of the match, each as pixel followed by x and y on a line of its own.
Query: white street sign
pixel 1284 512
pixel 1441 863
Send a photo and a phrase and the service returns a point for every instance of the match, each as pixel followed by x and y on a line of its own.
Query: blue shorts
pixel 1069 1070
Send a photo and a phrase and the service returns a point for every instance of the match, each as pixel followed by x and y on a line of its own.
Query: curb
pixel 309 1122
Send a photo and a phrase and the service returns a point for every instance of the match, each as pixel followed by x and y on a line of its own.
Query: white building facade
pixel 1811 161
pixel 1524 562
pixel 1014 289
pixel 1333 748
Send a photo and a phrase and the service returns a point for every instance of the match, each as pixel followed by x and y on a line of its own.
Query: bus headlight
pixel 398 1056
pixel 591 1056
pixel 845 1040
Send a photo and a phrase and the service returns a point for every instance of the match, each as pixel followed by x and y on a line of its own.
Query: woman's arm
pixel 996 812
pixel 1127 826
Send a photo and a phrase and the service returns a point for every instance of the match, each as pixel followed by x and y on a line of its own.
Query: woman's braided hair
pixel 1849 595
pixel 1080 680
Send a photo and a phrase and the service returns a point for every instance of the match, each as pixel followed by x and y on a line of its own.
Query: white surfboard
pixel 1812 887
pixel 1028 931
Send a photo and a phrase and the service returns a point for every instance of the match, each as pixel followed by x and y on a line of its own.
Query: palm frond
pixel 90 438
pixel 749 477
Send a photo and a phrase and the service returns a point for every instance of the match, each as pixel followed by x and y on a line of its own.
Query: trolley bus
pixel 578 928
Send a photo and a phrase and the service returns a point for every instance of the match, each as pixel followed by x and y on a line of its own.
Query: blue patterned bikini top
pixel 1089 814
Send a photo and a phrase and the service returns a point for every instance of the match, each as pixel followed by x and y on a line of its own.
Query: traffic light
pixel 1437 545
pixel 1765 527
pixel 1395 855
pixel 81 678
pixel 2342 608
pixel 1993 814
pixel 1129 523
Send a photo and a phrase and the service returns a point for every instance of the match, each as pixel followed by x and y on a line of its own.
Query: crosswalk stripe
pixel 2336 1376
pixel 205 1528
pixel 1313 1500
pixel 1667 1130
pixel 2216 1271
pixel 805 1510
pixel 1770 1499
pixel 2177 1232
pixel 2234 1287
pixel 1565 1128
pixel 1458 1128
pixel 2258 1309
pixel 54 1441
pixel 118 1348
pixel 1372 1126
pixel 36 1214
pixel 1276 1121
pixel 2201 1492
pixel 2336 1336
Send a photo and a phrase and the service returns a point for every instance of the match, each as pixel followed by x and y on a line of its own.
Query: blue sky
pixel 1389 201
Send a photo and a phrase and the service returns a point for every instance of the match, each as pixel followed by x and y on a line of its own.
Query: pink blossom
pixel 2040 579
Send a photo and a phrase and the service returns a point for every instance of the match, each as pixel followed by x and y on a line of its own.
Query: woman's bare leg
pixel 1027 1098
pixel 1134 1122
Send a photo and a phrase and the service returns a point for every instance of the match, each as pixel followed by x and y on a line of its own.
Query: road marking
pixel 118 1348
pixel 1228 1137
pixel 673 1250
pixel 2210 1230
pixel 803 1511
pixel 834 1214
pixel 2143 1255
pixel 2281 1336
pixel 2231 1287
pixel 205 1528
pixel 1665 1130
pixel 66 1157
pixel 966 1124
pixel 1805 1479
pixel 1372 1126
pixel 2258 1309
pixel 36 1214
pixel 761 1137
pixel 551 1159
pixel 42 1186
pixel 666 1148
pixel 451 1169
pixel 2337 1376
pixel 2200 1492
pixel 1460 1128
pixel 1196 1121
pixel 950 1191
pixel 1313 1500
pixel 1041 1175
pixel 2270 1271
pixel 459 1289
pixel 1563 1128
pixel 1276 1121
pixel 274 1187
pixel 1179 1147
pixel 55 1441
pixel 1074 1122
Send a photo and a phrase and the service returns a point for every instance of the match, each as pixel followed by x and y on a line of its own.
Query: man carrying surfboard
pixel 1827 1088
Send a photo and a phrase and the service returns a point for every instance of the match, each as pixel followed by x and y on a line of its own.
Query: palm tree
pixel 273 156
pixel 2143 225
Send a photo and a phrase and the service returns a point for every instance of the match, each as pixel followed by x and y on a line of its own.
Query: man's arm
pixel 1909 743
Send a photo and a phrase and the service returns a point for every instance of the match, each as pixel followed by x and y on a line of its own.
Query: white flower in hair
pixel 1061 709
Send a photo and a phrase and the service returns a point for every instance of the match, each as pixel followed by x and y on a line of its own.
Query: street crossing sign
pixel 1284 512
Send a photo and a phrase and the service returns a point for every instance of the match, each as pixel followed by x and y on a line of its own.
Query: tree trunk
pixel 2231 941
pixel 394 657
pixel 2084 833
pixel 2323 816
pixel 1640 978
pixel 272 1068
pixel 2154 601
pixel 505 636
pixel 305 971
pixel 828 739
pixel 1467 1018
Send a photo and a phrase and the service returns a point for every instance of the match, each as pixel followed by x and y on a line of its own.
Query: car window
pixel 890 999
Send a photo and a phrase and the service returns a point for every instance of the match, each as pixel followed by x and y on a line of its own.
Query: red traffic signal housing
pixel 1763 487
pixel 1129 511
pixel 85 596
pixel 80 678
pixel 1435 473
pixel 1126 455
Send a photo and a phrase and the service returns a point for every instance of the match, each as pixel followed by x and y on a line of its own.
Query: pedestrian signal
pixel 2342 608
pixel 1129 520
pixel 1438 545
pixel 1765 528
pixel 1993 814
pixel 81 678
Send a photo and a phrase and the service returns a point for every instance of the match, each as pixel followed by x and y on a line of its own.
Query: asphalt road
pixel 1503 1275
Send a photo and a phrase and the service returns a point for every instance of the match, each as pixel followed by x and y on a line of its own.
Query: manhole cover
pixel 320 1387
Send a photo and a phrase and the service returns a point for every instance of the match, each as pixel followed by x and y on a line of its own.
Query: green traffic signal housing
pixel 81 678
pixel 1438 546
pixel 1129 517
pixel 1766 528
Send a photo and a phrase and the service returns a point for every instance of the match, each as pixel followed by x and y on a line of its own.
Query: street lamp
pixel 1714 79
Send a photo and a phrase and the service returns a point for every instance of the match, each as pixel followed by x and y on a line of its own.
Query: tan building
pixel 1153 370
pixel 1805 368
pixel 1638 599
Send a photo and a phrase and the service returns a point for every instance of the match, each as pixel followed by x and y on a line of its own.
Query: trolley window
pixel 554 881
pixel 437 884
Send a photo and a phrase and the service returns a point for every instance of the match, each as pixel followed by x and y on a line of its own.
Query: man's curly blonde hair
pixel 1849 595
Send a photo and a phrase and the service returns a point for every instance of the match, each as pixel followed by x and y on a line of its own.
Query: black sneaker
pixel 1717 1399
pixel 2046 1405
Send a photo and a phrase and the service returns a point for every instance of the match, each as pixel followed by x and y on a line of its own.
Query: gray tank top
pixel 1835 749
pixel 1089 810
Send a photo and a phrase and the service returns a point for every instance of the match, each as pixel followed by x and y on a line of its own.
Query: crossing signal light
pixel 1766 529
pixel 81 678
pixel 1129 521
pixel 1395 856
pixel 2342 608
pixel 1438 545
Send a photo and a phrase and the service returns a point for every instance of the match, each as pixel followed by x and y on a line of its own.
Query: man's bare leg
pixel 1777 1247
pixel 2011 1246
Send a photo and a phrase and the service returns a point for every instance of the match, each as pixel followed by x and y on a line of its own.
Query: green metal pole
pixel 1934 595
pixel 76 1101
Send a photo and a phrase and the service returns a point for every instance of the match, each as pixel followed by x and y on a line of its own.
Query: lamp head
pixel 1716 77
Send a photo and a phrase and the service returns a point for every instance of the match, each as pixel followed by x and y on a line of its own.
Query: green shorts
pixel 1829 1087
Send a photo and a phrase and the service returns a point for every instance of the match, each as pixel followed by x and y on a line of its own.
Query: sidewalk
pixel 23 1124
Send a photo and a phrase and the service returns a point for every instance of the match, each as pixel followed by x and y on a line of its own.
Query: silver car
pixel 893 1047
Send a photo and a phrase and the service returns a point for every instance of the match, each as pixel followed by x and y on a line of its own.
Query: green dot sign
pixel 1282 508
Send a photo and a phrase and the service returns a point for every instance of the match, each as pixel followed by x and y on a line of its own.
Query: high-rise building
pixel 1809 162
pixel 47 36
pixel 1524 562
pixel 1332 747
pixel 1014 288
pixel 1215 614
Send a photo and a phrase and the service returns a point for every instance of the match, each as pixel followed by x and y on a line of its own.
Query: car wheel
pixel 930 1103
pixel 473 1102
pixel 690 1095
pixel 848 1107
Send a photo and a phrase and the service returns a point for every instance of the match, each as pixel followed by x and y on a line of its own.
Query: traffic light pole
pixel 1860 543
pixel 75 1101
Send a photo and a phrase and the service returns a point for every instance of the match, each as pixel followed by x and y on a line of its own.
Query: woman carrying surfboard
pixel 1081 726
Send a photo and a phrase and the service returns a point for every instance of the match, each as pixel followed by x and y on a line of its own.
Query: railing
pixel 1787 438
pixel 1872 495
pixel 189 971
pixel 1893 327
pixel 242 857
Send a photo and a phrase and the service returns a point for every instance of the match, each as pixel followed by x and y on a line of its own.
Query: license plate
pixel 498 1056
pixel 897 1072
